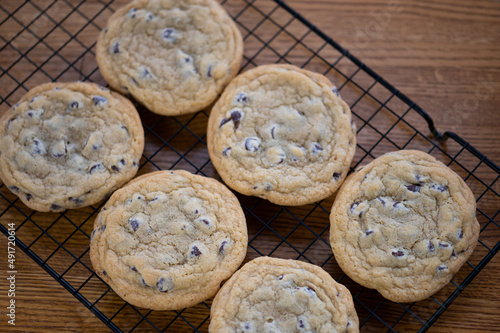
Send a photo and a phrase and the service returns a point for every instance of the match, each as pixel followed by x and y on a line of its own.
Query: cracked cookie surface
pixel 404 225
pixel 168 239
pixel 174 56
pixel 279 295
pixel 68 145
pixel 282 133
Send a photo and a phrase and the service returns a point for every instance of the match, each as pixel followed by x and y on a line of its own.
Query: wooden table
pixel 444 54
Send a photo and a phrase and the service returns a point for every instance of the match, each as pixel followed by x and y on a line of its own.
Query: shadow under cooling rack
pixel 55 41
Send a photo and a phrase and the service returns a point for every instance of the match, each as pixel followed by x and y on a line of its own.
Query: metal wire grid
pixel 55 41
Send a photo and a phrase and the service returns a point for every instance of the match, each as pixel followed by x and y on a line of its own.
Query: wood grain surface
pixel 442 54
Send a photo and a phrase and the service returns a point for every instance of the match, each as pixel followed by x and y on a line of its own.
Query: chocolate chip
pixel 31 113
pixel 336 176
pixel 55 207
pixel 149 17
pixel 103 227
pixel 134 269
pixel 382 201
pixel 236 117
pixel 74 105
pixel 280 277
pixel 145 73
pixel 122 161
pixel 170 34
pixel 430 246
pixel 442 268
pixel 348 323
pixel 76 201
pixel 134 224
pixel 209 71
pixel 134 164
pixel 195 251
pixel 310 289
pixel 96 167
pixel 369 232
pixel 196 211
pixel 396 203
pixel 132 12
pixel 443 245
pixel 57 152
pixel 105 30
pixel 115 168
pixel 99 100
pixel 268 187
pixel 144 283
pixel 272 132
pixel 34 99
pixel 353 207
pixel 164 285
pixel 38 148
pixel 14 188
pixel 241 98
pixel 28 196
pixel 221 247
pixel 116 47
pixel 188 59
pixel 440 188
pixel 301 324
pixel 418 177
pixel 223 121
pixel 134 81
pixel 247 326
pixel 336 91
pixel 316 147
pixel 10 121
pixel 398 253
pixel 104 272
pixel 460 234
pixel 252 144
pixel 205 221
pixel 226 151
pixel 453 253
pixel 413 188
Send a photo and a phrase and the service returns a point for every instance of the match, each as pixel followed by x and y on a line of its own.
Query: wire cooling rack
pixel 55 41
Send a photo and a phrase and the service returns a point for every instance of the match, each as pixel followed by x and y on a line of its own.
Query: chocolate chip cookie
pixel 175 57
pixel 282 133
pixel 404 225
pixel 69 145
pixel 278 295
pixel 168 239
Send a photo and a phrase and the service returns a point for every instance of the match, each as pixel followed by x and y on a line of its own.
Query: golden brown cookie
pixel 281 133
pixel 69 145
pixel 174 56
pixel 278 295
pixel 404 225
pixel 168 239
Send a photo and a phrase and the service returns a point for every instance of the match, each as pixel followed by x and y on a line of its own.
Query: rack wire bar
pixel 49 41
